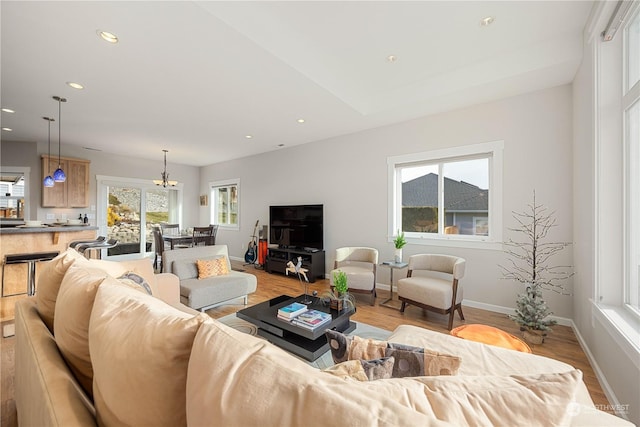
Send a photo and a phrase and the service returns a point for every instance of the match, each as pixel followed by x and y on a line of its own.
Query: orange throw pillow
pixel 490 335
pixel 212 267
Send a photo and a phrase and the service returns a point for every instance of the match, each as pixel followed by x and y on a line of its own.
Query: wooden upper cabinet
pixel 74 192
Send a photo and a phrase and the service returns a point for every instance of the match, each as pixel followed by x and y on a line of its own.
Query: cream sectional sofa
pixel 123 357
pixel 201 294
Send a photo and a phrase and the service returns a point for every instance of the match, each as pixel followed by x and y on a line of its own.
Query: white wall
pixel 618 371
pixel 348 174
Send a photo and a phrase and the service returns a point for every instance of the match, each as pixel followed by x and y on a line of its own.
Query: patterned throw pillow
pixel 409 361
pixel 135 281
pixel 212 267
pixel 363 370
pixel 415 361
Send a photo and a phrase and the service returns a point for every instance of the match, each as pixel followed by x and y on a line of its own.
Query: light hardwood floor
pixel 561 344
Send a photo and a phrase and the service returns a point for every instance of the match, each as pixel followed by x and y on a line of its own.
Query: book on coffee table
pixel 292 310
pixel 312 319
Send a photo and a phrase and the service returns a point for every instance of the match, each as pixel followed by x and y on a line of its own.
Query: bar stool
pixel 75 243
pixel 86 248
pixel 31 260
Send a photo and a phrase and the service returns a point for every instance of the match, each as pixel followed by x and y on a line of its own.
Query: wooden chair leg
pixel 460 312
pixel 404 304
pixel 451 318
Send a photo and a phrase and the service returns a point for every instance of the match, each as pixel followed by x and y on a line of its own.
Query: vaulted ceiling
pixel 212 80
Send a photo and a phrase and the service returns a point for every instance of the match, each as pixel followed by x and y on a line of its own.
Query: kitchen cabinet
pixel 74 192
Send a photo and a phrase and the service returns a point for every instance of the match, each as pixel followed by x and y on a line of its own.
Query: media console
pixel 278 258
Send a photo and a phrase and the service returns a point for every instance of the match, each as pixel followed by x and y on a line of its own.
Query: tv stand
pixel 277 259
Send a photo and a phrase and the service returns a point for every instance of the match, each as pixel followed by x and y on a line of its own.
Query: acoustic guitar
pixel 252 248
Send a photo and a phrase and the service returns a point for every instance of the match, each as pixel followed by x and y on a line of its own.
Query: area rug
pixel 362 330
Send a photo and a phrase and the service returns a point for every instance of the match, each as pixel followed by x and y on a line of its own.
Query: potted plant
pixel 399 243
pixel 340 297
pixel 530 260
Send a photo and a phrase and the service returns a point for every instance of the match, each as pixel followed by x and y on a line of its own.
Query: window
pixel 631 124
pixel 451 196
pixel 130 208
pixel 225 203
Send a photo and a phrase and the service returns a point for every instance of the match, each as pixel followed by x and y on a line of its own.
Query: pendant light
pixel 59 175
pixel 48 180
pixel 165 176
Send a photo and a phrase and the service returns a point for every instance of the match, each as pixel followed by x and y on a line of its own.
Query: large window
pixel 225 203
pixel 631 120
pixel 129 209
pixel 450 195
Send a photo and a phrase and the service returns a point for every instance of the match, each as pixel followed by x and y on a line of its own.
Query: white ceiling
pixel 196 77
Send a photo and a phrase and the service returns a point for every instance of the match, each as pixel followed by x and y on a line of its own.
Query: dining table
pixel 178 239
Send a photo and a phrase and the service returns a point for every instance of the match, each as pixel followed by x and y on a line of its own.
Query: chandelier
pixel 165 176
pixel 48 180
pixel 59 175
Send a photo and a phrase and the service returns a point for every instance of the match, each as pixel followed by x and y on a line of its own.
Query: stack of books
pixel 311 319
pixel 290 311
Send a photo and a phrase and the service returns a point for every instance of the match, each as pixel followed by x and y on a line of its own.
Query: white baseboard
pixel 510 310
pixel 606 388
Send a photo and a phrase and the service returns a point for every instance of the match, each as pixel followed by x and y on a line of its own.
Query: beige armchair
pixel 359 264
pixel 425 286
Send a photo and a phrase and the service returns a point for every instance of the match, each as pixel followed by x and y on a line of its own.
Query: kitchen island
pixel 24 240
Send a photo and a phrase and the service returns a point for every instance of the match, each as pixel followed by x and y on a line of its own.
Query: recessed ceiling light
pixel 8 110
pixel 280 145
pixel 75 85
pixel 486 21
pixel 7 129
pixel 392 58
pixel 107 36
pixel 248 136
pixel 300 120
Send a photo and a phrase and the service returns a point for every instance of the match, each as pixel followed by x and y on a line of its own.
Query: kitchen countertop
pixel 47 229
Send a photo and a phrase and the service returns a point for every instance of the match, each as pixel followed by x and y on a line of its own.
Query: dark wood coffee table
pixel 303 342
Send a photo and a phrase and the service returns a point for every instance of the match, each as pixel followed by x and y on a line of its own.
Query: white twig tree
pixel 529 263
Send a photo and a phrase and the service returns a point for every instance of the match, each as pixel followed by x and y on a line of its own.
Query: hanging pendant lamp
pixel 59 175
pixel 165 176
pixel 48 180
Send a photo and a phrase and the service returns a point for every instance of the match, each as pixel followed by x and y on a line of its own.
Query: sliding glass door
pixel 131 208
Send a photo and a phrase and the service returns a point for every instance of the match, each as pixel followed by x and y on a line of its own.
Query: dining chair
pixel 202 236
pixel 214 233
pixel 172 230
pixel 158 242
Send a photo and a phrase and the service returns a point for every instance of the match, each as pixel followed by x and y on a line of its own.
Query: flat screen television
pixel 296 226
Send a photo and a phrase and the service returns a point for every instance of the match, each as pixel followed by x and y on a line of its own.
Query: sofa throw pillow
pixel 409 361
pixel 140 348
pixel 416 362
pixel 135 281
pixel 363 370
pixel 345 348
pixel 71 321
pixel 188 268
pixel 48 285
pixel 212 267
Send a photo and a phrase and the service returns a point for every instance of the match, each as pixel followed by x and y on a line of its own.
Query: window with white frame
pixel 631 124
pixel 225 206
pixel 451 195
